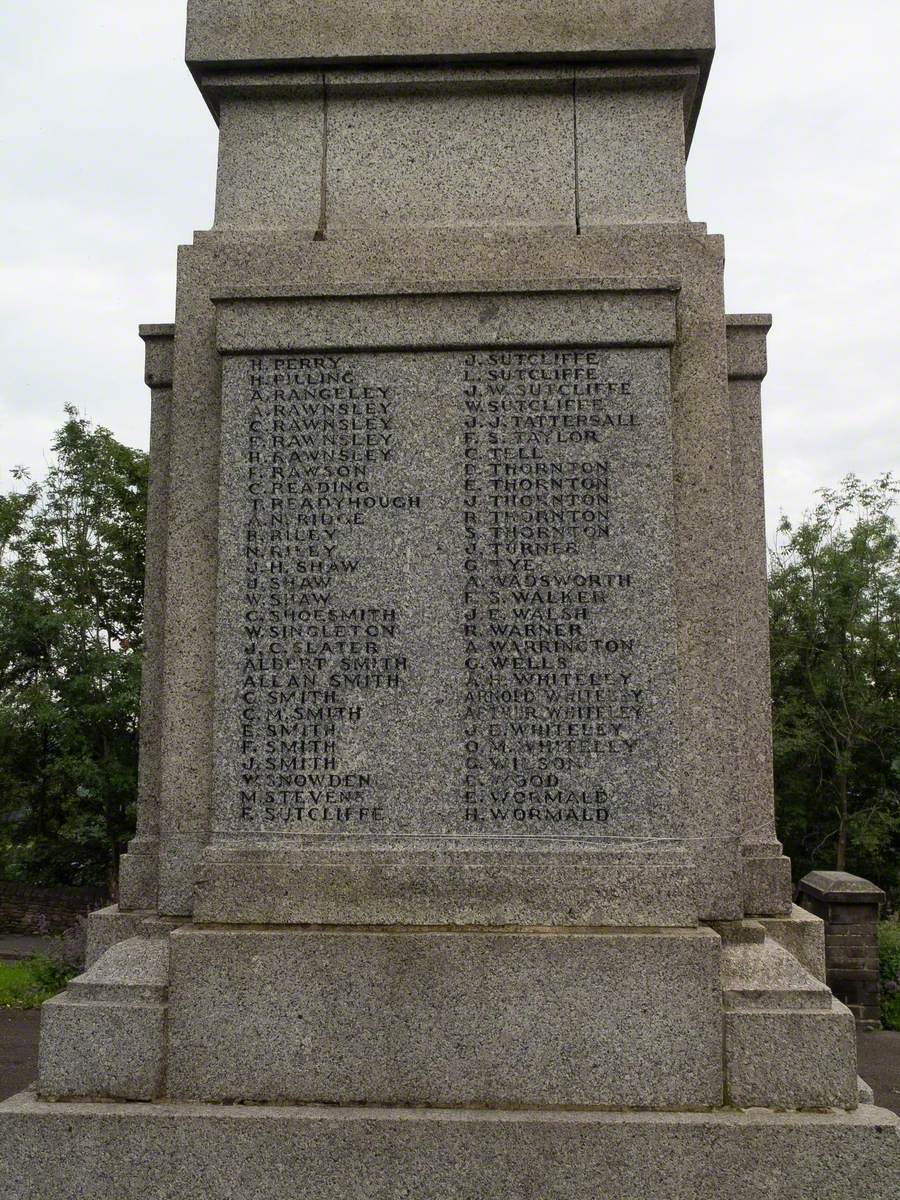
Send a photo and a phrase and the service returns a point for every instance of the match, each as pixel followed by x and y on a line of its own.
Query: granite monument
pixel 456 873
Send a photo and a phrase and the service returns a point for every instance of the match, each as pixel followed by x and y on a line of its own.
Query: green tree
pixel 71 593
pixel 835 610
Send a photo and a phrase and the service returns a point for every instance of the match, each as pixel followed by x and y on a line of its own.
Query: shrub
pixel 889 955
pixel 29 984
pixel 50 976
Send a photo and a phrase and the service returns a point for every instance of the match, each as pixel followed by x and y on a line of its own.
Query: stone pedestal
pixel 456 872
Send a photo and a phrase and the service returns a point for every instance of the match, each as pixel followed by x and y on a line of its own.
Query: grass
pixel 28 984
pixel 889 954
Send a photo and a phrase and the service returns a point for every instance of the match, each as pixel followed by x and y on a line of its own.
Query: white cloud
pixel 108 156
pixel 796 162
pixel 107 152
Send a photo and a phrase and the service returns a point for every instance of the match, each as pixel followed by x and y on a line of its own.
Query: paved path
pixel 879 1058
pixel 14 948
pixel 879 1065
pixel 18 1049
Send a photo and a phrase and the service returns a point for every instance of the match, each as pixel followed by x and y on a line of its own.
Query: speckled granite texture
pixel 139 868
pixel 105 1036
pixel 235 32
pixel 791 1059
pixel 803 935
pixel 449 884
pixel 185 1152
pixel 456 775
pixel 704 809
pixel 443 158
pixel 767 873
pixel 566 148
pixel 444 614
pixel 473 1019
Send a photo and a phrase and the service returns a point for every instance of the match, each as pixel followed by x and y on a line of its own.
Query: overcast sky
pixel 107 156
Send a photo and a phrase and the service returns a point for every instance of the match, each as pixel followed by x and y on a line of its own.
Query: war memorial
pixel 456 874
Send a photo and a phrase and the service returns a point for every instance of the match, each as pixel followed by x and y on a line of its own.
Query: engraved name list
pixel 446 593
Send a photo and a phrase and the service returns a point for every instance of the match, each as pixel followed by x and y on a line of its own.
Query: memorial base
pixel 184 1152
pixel 664 1019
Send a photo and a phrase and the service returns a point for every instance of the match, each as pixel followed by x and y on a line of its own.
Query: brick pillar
pixel 849 906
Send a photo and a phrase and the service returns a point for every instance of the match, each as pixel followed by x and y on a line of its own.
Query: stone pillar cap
pixel 241 40
pixel 840 887
pixel 230 34
pixel 746 340
pixel 159 357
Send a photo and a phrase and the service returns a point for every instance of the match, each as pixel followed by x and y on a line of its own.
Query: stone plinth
pixel 803 935
pixel 488 1019
pixel 134 1151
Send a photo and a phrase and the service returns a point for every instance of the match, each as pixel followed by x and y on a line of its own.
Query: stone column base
pixel 168 1151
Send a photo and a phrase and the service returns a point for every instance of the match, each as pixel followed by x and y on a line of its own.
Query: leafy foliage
pixel 29 984
pixel 835 616
pixel 71 595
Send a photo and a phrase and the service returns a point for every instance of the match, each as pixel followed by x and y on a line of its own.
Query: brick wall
pixel 23 907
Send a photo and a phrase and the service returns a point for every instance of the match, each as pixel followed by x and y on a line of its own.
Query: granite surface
pixel 435 1019
pixel 228 32
pixel 766 884
pixel 110 1051
pixel 792 1060
pixel 104 1038
pixel 631 155
pixel 747 336
pixel 186 765
pixel 788 1042
pixel 480 157
pixel 370 881
pixel 560 148
pixel 159 355
pixel 71 1152
pixel 803 935
pixel 767 876
pixel 137 968
pixel 763 975
pixel 139 868
pixel 704 807
pixel 270 163
pixel 108 926
pixel 472 313
pixel 445 596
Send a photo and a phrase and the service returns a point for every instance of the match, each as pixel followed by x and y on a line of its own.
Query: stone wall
pixel 25 909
